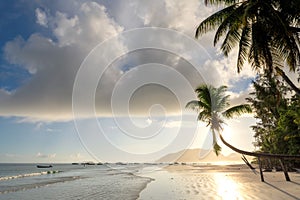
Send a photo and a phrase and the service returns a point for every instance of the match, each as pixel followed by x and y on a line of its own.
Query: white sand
pixel 227 182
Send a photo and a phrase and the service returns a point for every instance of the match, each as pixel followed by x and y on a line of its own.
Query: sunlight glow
pixel 227 132
pixel 226 188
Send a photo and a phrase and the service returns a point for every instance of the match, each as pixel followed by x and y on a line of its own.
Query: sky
pixel 109 80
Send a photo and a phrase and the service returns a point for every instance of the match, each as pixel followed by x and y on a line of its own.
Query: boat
pixel 44 166
pixel 88 163
pixel 120 163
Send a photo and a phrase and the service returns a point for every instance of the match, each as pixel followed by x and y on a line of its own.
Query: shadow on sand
pixel 288 194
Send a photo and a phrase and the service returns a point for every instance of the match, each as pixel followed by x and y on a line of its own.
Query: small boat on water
pixel 44 166
pixel 75 163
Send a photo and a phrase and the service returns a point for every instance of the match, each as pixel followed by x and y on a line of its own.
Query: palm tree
pixel 212 105
pixel 265 31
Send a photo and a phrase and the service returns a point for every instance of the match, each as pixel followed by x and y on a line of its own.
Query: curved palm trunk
pixel 289 82
pixel 259 155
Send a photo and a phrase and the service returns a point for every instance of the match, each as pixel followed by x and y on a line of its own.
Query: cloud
pixel 53 61
pixel 41 17
pixel 180 123
pixel 40 155
pixel 53 130
pixel 175 14
pixel 76 156
pixel 10 155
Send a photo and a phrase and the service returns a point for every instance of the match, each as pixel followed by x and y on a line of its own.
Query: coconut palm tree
pixel 266 32
pixel 212 105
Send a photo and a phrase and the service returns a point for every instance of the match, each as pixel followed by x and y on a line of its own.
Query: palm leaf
pixel 237 110
pixel 204 95
pixel 213 21
pixel 233 20
pixel 217 149
pixel 231 40
pixel 204 116
pixel 194 105
pixel 244 46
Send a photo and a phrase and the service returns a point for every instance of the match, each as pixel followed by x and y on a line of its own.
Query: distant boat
pixel 44 166
pixel 88 163
pixel 120 163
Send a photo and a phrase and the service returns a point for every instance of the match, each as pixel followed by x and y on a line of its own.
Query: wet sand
pixel 219 182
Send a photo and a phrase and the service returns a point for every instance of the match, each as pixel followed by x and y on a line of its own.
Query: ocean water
pixel 66 181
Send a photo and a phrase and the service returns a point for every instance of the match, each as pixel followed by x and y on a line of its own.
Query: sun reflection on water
pixel 227 189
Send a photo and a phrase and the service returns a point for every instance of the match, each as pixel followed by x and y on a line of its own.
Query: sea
pixel 67 181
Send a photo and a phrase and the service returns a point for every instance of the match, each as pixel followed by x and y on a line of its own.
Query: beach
pixel 144 181
pixel 219 182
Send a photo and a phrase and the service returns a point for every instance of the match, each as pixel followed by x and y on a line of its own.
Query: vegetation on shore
pixel 267 35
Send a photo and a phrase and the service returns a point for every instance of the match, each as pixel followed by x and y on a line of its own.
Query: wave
pixel 5 178
pixel 29 186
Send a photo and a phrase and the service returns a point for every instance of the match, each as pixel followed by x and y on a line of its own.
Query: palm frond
pixel 204 116
pixel 259 45
pixel 217 149
pixel 237 110
pixel 244 46
pixel 203 94
pixel 231 40
pixel 213 21
pixel 284 40
pixel 197 105
pixel 222 89
pixel 233 20
pixel 223 103
pixel 194 105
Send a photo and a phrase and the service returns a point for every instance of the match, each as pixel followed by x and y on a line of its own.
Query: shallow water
pixel 72 182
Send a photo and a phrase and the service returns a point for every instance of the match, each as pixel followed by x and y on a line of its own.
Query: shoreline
pixel 218 182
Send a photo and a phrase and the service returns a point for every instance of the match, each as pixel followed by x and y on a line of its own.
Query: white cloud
pixel 76 156
pixel 179 123
pixel 90 26
pixel 67 29
pixel 51 130
pixel 11 155
pixel 41 17
pixel 40 155
pixel 183 16
pixel 53 62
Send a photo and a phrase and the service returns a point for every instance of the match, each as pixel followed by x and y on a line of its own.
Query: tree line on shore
pixel 267 35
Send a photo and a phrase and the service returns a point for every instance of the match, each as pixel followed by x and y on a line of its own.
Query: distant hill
pixel 199 155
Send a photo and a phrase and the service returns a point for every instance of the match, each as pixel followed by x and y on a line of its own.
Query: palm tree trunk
pixel 259 155
pixel 289 82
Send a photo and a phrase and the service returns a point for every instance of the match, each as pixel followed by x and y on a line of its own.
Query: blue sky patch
pixel 12 77
pixel 240 85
